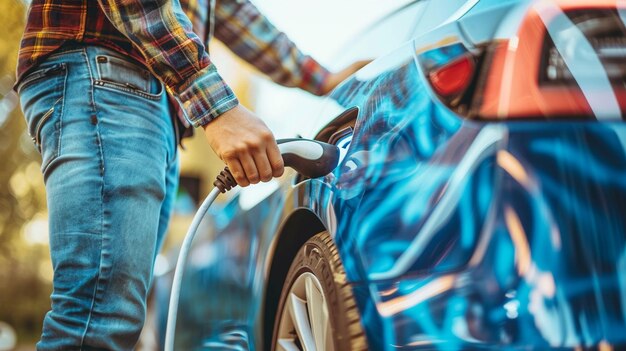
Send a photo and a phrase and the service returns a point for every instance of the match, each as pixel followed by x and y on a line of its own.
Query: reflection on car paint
pixel 528 277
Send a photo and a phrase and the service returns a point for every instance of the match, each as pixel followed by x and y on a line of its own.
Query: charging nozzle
pixel 310 158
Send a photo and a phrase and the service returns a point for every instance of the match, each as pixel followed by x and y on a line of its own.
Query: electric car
pixel 478 204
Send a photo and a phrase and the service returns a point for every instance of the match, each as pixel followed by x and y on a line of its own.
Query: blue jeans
pixel 109 160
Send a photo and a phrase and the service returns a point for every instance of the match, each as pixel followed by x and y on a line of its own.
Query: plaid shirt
pixel 169 37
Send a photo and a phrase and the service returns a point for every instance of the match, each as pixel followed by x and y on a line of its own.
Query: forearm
pixel 250 35
pixel 161 31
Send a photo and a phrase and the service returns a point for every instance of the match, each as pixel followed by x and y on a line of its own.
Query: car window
pixel 434 14
pixel 384 36
pixel 379 40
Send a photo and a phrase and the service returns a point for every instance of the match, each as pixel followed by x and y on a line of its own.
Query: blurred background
pixel 322 30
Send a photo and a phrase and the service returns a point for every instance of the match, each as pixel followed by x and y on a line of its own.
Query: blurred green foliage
pixel 25 271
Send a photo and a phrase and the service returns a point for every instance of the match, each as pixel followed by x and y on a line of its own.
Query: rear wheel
pixel 317 309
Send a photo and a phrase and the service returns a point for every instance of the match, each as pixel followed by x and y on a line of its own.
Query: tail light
pixel 567 60
pixel 450 71
pixel 452 79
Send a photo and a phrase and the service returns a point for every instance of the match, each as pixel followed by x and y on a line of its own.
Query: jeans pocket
pixel 42 99
pixel 45 71
pixel 120 75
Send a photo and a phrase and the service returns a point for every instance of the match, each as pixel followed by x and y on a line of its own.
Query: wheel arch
pixel 299 227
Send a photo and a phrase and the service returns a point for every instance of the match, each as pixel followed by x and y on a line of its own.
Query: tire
pixel 317 274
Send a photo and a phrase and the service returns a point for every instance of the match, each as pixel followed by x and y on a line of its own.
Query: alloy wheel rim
pixel 305 323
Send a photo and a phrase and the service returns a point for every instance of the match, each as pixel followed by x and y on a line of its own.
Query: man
pixel 97 82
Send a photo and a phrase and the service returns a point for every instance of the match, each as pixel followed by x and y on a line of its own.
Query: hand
pixel 246 145
pixel 335 78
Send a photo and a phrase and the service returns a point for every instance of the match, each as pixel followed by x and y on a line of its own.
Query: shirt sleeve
pixel 250 35
pixel 161 31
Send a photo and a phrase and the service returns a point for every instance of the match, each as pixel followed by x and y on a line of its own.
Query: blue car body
pixel 455 233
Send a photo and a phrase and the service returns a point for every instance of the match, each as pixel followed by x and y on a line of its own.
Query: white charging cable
pixel 172 313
